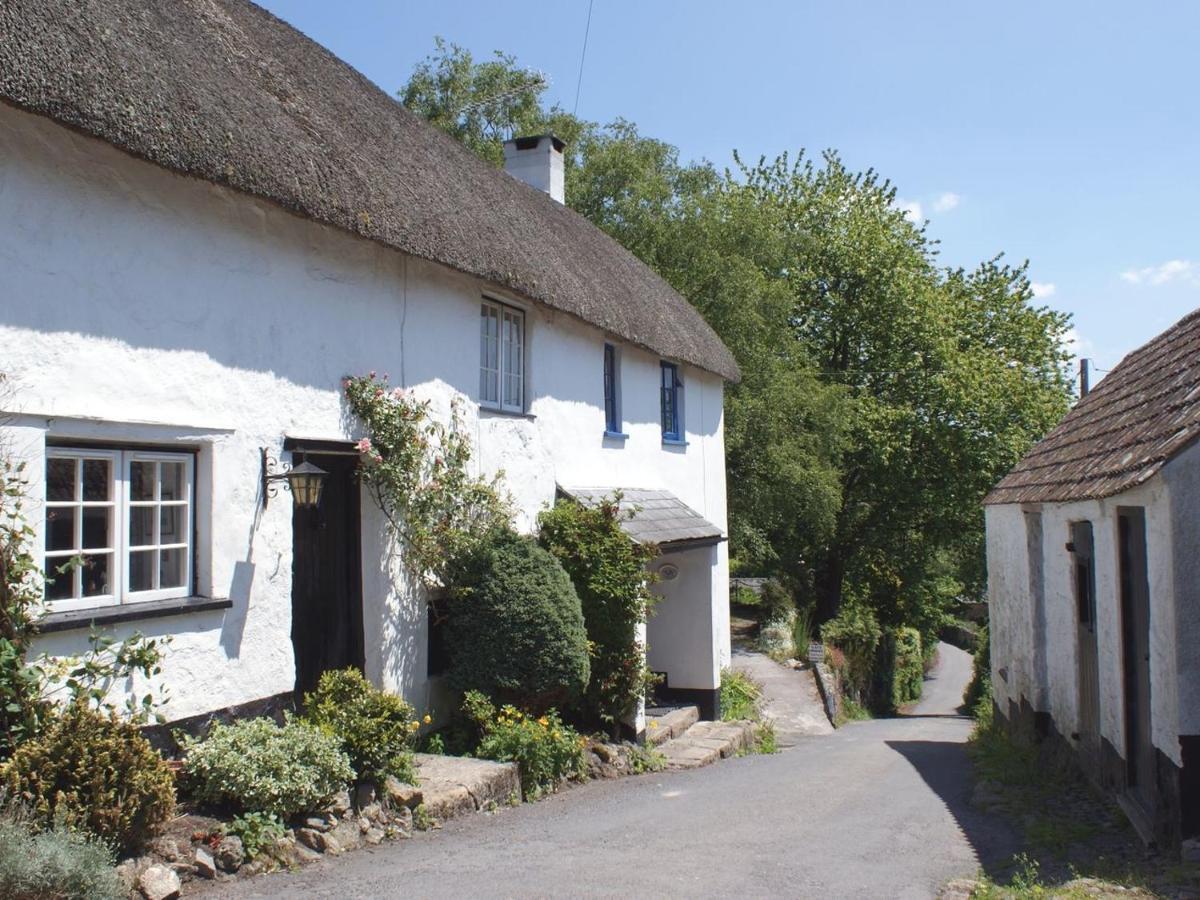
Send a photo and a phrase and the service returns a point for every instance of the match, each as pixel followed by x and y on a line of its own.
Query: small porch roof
pixel 659 517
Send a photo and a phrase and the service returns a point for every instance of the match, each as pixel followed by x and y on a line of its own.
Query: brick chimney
pixel 538 161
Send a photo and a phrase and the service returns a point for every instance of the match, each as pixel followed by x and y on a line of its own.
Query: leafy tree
pixel 882 394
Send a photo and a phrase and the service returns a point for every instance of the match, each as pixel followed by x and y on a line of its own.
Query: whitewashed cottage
pixel 206 221
pixel 1093 554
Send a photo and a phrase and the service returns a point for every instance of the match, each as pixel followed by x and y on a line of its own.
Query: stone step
pixel 660 729
pixel 706 742
pixel 456 785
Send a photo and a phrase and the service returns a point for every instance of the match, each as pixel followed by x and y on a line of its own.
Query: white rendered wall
pixel 1014 639
pixel 681 626
pixel 140 306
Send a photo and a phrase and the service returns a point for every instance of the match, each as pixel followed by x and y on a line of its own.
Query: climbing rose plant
pixel 416 469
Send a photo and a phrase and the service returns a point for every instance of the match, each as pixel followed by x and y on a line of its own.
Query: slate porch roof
pixel 659 517
pixel 1122 433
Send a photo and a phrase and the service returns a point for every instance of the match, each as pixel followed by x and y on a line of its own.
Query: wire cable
pixel 582 56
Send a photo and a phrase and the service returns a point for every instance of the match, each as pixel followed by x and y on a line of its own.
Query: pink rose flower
pixel 364 446
pixel 397 393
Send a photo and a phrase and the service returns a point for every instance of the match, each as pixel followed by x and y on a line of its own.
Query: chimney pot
pixel 537 160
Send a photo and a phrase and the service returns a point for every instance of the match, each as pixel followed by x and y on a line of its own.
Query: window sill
pixel 615 435
pixel 489 411
pixel 674 442
pixel 128 612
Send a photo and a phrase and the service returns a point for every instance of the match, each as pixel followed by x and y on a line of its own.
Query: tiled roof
pixel 1122 433
pixel 659 517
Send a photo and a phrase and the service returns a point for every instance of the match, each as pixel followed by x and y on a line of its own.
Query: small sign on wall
pixel 816 652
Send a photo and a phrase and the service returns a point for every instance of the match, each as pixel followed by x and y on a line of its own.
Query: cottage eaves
pixel 223 91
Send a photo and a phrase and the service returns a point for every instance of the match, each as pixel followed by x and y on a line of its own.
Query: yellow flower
pixel 428 718
pixel 555 734
pixel 543 721
pixel 414 725
pixel 653 724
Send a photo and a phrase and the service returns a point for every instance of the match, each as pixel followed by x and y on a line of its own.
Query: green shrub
pixel 803 631
pixel 376 729
pixel 777 603
pixel 906 666
pixel 978 696
pixel 257 831
pixel 744 596
pixel 92 770
pixel 856 633
pixel 254 765
pixel 739 696
pixel 608 571
pixel 56 863
pixel 545 750
pixel 515 630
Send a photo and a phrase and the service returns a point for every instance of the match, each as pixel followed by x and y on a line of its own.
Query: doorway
pixel 1135 627
pixel 327 615
pixel 1082 549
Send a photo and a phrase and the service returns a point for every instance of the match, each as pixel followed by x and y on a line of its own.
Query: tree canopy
pixel 882 393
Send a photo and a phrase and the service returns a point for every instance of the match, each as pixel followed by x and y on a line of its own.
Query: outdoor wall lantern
pixel 304 480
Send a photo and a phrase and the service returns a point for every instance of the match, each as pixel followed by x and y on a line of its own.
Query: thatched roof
pixel 224 91
pixel 1144 413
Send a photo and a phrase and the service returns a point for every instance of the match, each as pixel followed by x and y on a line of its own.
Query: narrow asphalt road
pixel 876 809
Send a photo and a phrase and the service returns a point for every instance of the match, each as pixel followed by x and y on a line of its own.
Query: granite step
pixel 456 785
pixel 704 743
pixel 673 724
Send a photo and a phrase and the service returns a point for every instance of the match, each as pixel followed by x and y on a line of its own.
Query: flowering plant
pixel 416 469
pixel 545 750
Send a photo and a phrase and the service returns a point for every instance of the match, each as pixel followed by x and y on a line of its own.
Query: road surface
pixel 876 809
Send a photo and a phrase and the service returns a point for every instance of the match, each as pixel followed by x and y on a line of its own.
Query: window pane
pixel 96 574
pixel 96 479
pixel 60 479
pixel 96 527
pixel 58 587
pixel 141 570
pixel 141 525
pixel 60 528
pixel 171 568
pixel 171 531
pixel 171 474
pixel 141 480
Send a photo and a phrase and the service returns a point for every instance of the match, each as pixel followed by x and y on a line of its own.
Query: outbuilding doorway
pixel 1082 549
pixel 1135 623
pixel 327 614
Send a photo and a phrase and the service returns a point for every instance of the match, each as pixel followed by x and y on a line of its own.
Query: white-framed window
pixel 118 526
pixel 501 357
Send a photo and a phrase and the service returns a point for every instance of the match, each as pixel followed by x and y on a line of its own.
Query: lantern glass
pixel 306 482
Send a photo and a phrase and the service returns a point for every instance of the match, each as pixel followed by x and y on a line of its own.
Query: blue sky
pixel 1065 133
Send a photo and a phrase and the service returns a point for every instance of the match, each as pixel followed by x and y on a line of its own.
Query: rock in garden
pixel 159 883
pixel 318 823
pixel 347 836
pixel 603 751
pixel 165 848
pixel 372 812
pixel 230 853
pixel 401 793
pixel 340 803
pixel 402 821
pixel 205 867
pixel 318 840
pixel 374 836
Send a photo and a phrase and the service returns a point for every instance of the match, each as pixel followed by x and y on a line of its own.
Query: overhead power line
pixel 582 56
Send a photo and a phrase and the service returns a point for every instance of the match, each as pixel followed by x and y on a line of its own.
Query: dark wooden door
pixel 1087 656
pixel 1135 626
pixel 327 631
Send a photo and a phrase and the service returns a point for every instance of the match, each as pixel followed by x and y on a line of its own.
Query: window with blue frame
pixel 612 416
pixel 672 391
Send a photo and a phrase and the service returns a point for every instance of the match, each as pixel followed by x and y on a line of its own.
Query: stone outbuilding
pixel 1093 554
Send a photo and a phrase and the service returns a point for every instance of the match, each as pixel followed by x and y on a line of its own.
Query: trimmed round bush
pixel 254 765
pixel 515 631
pixel 375 728
pixel 93 771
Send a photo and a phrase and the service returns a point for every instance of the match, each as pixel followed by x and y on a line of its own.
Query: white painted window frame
pixel 511 356
pixel 121 504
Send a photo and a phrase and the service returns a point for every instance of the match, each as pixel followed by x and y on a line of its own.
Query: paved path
pixel 876 809
pixel 790 696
